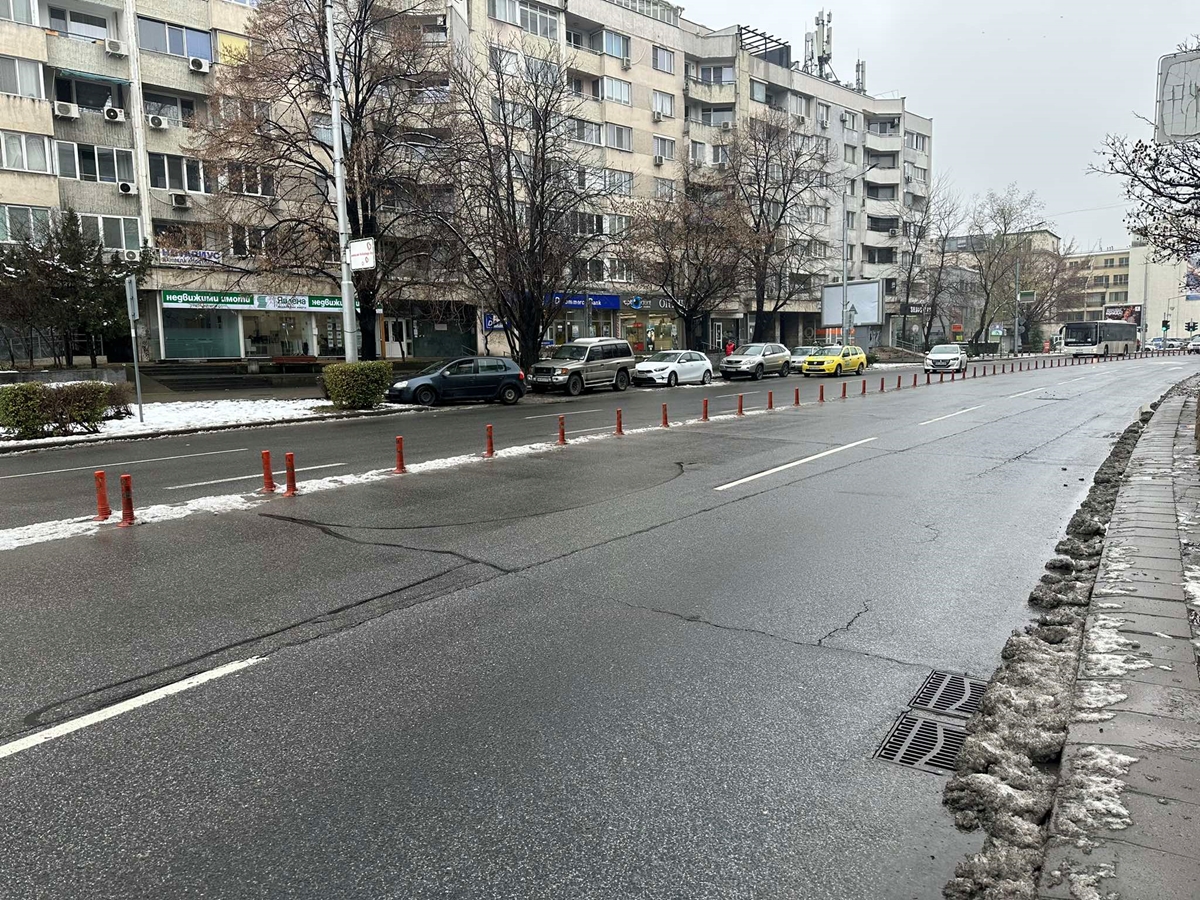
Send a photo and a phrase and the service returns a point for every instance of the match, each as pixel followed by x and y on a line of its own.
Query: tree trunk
pixel 29 347
pixel 760 296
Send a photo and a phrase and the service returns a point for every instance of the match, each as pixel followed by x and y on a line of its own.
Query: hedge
pixel 359 385
pixel 34 410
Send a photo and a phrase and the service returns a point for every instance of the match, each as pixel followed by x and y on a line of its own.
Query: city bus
pixel 1103 338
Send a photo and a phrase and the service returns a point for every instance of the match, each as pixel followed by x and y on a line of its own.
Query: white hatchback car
pixel 672 367
pixel 946 358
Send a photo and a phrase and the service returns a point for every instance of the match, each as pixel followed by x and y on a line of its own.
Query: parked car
pixel 486 378
pixel 583 364
pixel 756 360
pixel 1155 343
pixel 946 358
pixel 1194 344
pixel 836 360
pixel 799 355
pixel 672 367
pixel 1174 343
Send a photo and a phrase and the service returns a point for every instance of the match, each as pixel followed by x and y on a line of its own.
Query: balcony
pixel 883 143
pixel 879 175
pixel 172 72
pixel 101 198
pixel 28 188
pixel 710 134
pixel 710 92
pixel 586 61
pixel 873 206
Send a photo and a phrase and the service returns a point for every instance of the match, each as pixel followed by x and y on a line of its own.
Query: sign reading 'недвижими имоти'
pixel 220 300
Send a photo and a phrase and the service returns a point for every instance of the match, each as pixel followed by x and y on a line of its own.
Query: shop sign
pixel 647 304
pixel 492 322
pixel 208 299
pixel 219 300
pixel 599 301
pixel 188 257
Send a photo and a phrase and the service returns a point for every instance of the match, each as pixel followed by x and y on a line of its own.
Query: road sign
pixel 1178 112
pixel 131 297
pixel 362 254
pixel 997 331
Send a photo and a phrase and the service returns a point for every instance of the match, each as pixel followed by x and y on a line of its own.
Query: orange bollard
pixel 914 379
pixel 739 412
pixel 268 481
pixel 665 423
pixel 974 371
pixel 993 368
pixel 843 389
pixel 821 393
pixel 941 377
pixel 620 430
pixel 952 374
pixel 897 382
pixel 863 392
pixel 796 402
pixel 881 388
pixel 704 411
pixel 491 449
pixel 927 377
pixel 289 464
pixel 103 510
pixel 562 431
pixel 400 470
pixel 770 399
pixel 127 518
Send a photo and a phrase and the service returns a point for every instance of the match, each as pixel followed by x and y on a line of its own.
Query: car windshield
pixel 803 351
pixel 945 350
pixel 827 351
pixel 569 351
pixel 749 350
pixel 436 367
pixel 663 357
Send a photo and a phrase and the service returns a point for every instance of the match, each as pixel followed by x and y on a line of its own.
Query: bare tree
pixel 1048 273
pixel 925 254
pixel 1000 226
pixel 778 181
pixel 532 216
pixel 683 248
pixel 266 148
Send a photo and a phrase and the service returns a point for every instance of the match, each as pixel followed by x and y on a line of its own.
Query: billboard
pixel 1191 278
pixel 1130 314
pixel 866 297
pixel 1177 116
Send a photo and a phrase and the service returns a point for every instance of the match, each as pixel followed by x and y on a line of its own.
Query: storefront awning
pixel 92 76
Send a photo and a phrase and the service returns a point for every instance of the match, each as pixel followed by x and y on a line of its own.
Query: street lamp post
pixel 349 321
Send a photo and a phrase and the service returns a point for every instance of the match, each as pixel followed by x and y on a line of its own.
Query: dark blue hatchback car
pixel 485 378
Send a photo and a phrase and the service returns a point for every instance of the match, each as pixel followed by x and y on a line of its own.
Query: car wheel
pixel 425 396
pixel 860 369
pixel 706 378
pixel 672 379
pixel 509 395
pixel 758 373
pixel 574 385
pixel 622 380
pixel 783 373
pixel 837 372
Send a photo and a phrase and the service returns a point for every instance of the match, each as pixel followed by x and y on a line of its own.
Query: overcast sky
pixel 1018 90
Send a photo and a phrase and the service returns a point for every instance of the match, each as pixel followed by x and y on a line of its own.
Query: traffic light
pixel 1191 326
pixel 1166 324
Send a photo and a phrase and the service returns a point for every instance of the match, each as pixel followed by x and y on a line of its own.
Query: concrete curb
pixel 173 432
pixel 1126 816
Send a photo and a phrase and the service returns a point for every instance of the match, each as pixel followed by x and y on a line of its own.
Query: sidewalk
pixel 1126 819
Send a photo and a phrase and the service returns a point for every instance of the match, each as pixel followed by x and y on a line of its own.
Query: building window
pixel 664 147
pixel 576 39
pixel 616 45
pixel 850 121
pixel 89 163
pixel 1120 279
pixel 1118 296
pixel 160 37
pixel 663 60
pixel 850 153
pixel 720 154
pixel 618 270
pixel 850 220
pixel 758 91
pixel 21 77
pixel 799 104
pixel 24 152
pixel 617 90
pixel 716 74
pixel 178 109
pixel 916 173
pixel 914 141
pixel 1123 261
pixel 22 11
pixel 1110 262
pixel 664 103
pixel 615 223
pixel 88 94
pixel 712 116
pixel 74 24
pixel 698 152
pixel 531 17
pixel 619 137
pixel 584 131
pixel 619 182
pixel 818 215
pixel 23 223
pixel 245 240
pixel 112 232
pixel 177 173
pixel 253 180
pixel 664 188
pixel 823 112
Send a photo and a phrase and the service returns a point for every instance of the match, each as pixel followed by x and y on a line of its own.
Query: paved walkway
pixel 1127 817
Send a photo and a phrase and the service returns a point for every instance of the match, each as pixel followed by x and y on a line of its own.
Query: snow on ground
pixel 1092 698
pixel 1091 796
pixel 184 415
pixel 1108 652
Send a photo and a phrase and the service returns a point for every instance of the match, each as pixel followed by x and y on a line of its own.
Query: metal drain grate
pixel 949 694
pixel 925 744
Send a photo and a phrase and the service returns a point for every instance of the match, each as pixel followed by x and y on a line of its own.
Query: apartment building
pixel 97 98
pixel 1103 278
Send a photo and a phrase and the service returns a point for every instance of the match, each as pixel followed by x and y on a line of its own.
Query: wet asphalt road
pixel 604 671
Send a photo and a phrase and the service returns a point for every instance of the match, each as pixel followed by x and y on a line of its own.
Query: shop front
pixel 651 325
pixel 583 315
pixel 216 325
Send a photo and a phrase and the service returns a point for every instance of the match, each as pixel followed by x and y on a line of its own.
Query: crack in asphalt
pixel 1034 449
pixel 929 526
pixel 866 608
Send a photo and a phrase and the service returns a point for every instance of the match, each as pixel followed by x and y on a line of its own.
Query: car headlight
pixel 564 371
pixel 400 385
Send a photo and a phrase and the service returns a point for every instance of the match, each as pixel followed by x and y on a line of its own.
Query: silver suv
pixel 756 360
pixel 582 364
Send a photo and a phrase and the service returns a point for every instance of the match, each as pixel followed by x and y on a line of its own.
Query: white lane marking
pixel 950 415
pixel 743 393
pixel 94 718
pixel 792 465
pixel 1072 380
pixel 586 430
pixel 1022 394
pixel 131 462
pixel 180 487
pixel 574 412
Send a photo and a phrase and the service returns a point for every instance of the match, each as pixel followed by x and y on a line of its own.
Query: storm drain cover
pixel 949 694
pixel 925 744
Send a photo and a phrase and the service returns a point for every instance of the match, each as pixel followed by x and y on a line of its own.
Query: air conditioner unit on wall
pixel 114 114
pixel 726 126
pixel 800 119
pixel 893 232
pixel 132 255
pixel 181 201
pixel 126 187
pixel 65 110
pixel 115 48
pixel 158 122
pixel 722 166
pixel 626 63
pixel 658 160
pixel 824 123
pixel 656 116
pixel 199 65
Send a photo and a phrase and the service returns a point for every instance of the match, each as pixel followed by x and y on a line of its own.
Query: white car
pixel 1194 344
pixel 946 358
pixel 672 367
pixel 799 355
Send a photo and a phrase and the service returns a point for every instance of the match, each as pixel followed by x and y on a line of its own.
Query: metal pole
pixel 349 322
pixel 845 274
pixel 131 304
pixel 1017 314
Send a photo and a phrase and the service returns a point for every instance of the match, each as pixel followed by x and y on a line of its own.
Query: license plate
pixel 541 379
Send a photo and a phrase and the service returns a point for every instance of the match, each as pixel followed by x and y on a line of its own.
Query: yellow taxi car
pixel 835 361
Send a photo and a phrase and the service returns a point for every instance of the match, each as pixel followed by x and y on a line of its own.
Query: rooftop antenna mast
pixel 860 76
pixel 818 48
